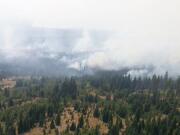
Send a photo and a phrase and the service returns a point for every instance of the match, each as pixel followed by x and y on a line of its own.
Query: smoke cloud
pixel 87 50
pixel 142 36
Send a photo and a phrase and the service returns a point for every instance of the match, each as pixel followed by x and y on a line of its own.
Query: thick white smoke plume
pixel 119 51
pixel 83 49
pixel 142 36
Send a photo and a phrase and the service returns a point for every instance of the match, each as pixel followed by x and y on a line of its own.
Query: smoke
pixel 73 50
pixel 70 36
pixel 144 57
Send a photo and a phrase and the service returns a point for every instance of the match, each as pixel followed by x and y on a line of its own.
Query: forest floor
pixel 68 116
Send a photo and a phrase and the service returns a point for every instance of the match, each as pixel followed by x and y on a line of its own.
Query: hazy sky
pixel 141 32
pixel 145 16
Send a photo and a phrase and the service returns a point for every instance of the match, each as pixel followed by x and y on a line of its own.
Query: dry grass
pixel 68 116
pixel 7 83
pixel 94 122
pixel 35 131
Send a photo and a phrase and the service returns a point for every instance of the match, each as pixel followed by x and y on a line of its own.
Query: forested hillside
pixel 103 104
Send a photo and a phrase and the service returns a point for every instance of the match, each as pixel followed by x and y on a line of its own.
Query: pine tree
pixel 73 127
pixel 96 113
pixel 52 126
pixel 97 131
pixel 1 129
pixel 81 122
pixel 58 120
pixel 114 130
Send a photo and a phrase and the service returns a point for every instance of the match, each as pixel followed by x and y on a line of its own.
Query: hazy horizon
pixel 68 36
